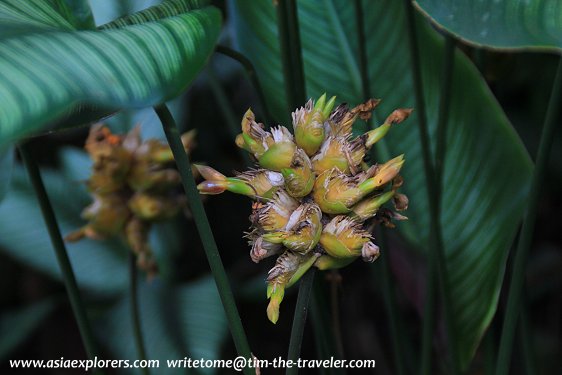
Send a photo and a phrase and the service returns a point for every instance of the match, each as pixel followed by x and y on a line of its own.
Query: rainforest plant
pixel 316 200
pixel 469 179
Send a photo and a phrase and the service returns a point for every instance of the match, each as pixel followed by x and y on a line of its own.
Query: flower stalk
pixel 60 251
pixel 205 233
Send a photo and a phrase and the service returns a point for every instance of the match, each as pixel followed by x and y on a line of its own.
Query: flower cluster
pixel 316 199
pixel 133 184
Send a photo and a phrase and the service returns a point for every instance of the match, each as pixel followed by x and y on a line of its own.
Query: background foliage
pixel 487 172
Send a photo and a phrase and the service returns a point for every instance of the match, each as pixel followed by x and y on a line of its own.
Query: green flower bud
pixel 341 153
pixel 327 262
pixel 253 135
pixel 216 183
pixel 344 237
pixel 274 215
pixel 264 182
pixel 288 269
pixel 302 231
pixel 280 149
pixel 368 207
pixel 308 122
pixel 384 174
pixel 299 179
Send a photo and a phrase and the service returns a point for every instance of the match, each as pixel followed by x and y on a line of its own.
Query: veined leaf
pixel 50 70
pixel 185 321
pixel 508 24
pixel 100 267
pixel 486 169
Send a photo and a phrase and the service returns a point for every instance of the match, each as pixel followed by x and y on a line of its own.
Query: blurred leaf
pixel 510 24
pixel 100 267
pixel 486 170
pixel 137 61
pixel 6 166
pixel 177 322
pixel 17 325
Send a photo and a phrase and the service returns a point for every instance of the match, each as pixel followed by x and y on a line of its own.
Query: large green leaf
pixel 49 69
pixel 486 170
pixel 184 321
pixel 500 24
pixel 100 267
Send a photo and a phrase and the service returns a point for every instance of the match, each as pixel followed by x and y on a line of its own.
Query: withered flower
pixel 133 184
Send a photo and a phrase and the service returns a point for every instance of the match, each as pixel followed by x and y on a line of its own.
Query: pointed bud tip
pixel 211 188
pixel 209 173
pixel 273 313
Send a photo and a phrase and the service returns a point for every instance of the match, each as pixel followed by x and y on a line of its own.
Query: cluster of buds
pixel 133 184
pixel 316 199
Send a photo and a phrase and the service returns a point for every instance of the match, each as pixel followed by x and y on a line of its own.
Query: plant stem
pixel 252 75
pixel 437 261
pixel 489 352
pixel 334 305
pixel 526 340
pixel 60 251
pixel 291 55
pixel 135 316
pixel 390 305
pixel 526 236
pixel 293 73
pixel 205 233
pixel 444 106
pixel 388 295
pixel 299 320
pixel 323 332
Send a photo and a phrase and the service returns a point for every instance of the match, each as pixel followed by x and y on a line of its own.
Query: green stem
pixel 252 75
pixel 336 325
pixel 444 106
pixel 205 233
pixel 222 101
pixel 293 73
pixel 489 352
pixel 299 320
pixel 137 329
pixel 526 341
pixel 437 262
pixel 291 55
pixel 388 295
pixel 527 229
pixel 323 333
pixel 60 251
pixel 390 305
